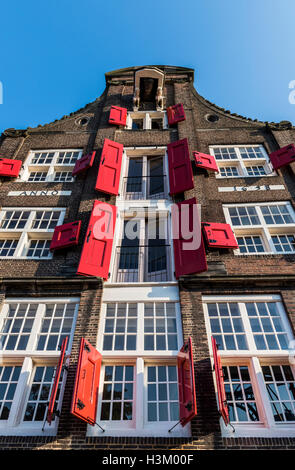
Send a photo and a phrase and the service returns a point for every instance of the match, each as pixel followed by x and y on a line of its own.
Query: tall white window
pixel 241 161
pixel 139 342
pixel 50 165
pixel 145 174
pixel 254 339
pixel 31 332
pixel 27 233
pixel 143 253
pixel 266 228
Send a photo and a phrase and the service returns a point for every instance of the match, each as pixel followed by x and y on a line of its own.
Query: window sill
pixel 218 177
pixel 258 430
pixel 30 258
pixel 30 430
pixel 152 430
pixel 270 254
pixel 139 284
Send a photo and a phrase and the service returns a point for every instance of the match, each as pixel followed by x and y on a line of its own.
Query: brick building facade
pixel 140 316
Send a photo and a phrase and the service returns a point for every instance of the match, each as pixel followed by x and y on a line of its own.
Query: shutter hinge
pixel 87 348
pixel 72 239
pixel 212 241
pixel 206 224
pixel 198 162
pixel 80 404
pixel 87 240
pixel 189 406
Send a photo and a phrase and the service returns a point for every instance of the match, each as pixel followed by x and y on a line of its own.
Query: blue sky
pixel 55 52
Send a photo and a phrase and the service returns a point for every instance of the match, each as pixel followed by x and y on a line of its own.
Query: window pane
pixel 117 397
pixel 239 394
pixel 162 393
pixel 280 389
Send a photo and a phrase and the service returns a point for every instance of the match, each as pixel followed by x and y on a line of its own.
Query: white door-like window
pixel 146 177
pixel 27 233
pixel 31 333
pixel 266 228
pixel 139 342
pixel 254 340
pixel 144 254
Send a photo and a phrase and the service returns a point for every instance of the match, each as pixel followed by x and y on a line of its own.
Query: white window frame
pixel 50 169
pixel 25 234
pixel 143 251
pixel 146 117
pixel 29 359
pixel 140 359
pixel 140 332
pixel 144 153
pixel 266 231
pixel 254 359
pixel 241 163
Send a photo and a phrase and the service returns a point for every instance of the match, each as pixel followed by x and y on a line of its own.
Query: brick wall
pixel 68 133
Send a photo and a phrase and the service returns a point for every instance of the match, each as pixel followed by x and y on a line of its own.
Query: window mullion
pixel 140 398
pixel 142 266
pixel 265 412
pixel 144 177
pixel 147 121
pixel 30 220
pixel 269 241
pixel 36 328
pixel 140 328
pixel 247 326
pixel 50 173
pixel 21 393
pixel 22 242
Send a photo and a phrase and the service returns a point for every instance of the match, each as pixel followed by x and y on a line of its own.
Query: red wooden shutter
pixel 202 160
pixel 283 156
pixel 97 248
pixel 84 402
pixel 65 235
pixel 10 167
pixel 186 384
pixel 58 371
pixel 118 116
pixel 185 218
pixel 220 383
pixel 175 114
pixel 108 177
pixel 219 235
pixel 180 167
pixel 85 162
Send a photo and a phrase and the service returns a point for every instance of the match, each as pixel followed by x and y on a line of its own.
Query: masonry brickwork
pixel 227 274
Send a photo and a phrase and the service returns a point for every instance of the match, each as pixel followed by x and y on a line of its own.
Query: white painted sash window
pixel 26 233
pixel 242 161
pixel 50 166
pixel 265 228
pixel 31 332
pixel 139 342
pixel 255 343
pixel 152 120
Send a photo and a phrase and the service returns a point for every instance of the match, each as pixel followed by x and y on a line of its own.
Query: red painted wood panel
pixel 109 172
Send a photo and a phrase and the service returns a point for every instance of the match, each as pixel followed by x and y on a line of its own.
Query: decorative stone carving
pixel 153 73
